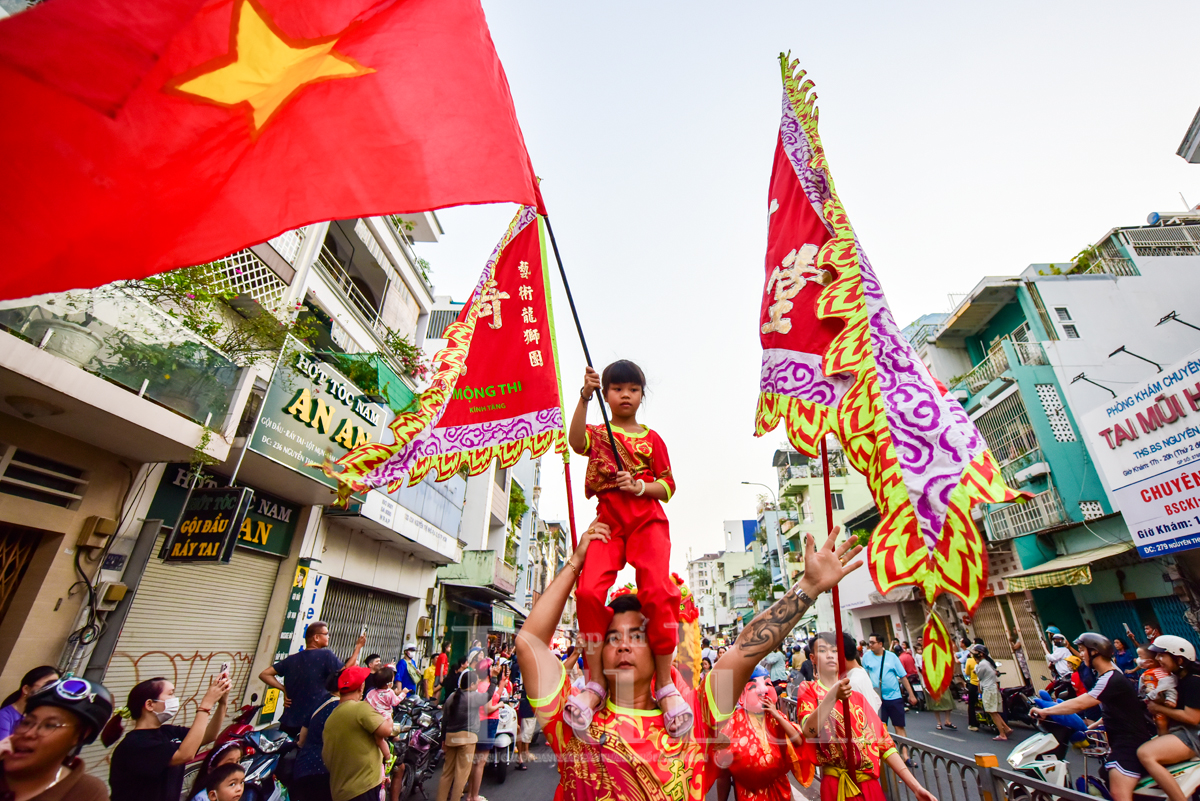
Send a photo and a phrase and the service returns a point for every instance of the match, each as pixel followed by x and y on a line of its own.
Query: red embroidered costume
pixel 762 758
pixel 639 536
pixel 630 756
pixel 843 777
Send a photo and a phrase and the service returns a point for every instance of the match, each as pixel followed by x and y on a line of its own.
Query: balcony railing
pixel 1030 354
pixel 482 569
pixel 1112 266
pixel 1016 519
pixel 986 371
pixel 113 334
pixel 334 270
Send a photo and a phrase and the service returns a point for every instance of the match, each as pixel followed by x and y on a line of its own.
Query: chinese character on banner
pixel 489 303
pixel 787 280
pixel 535 358
pixel 526 292
pixel 527 315
pixel 523 269
pixel 532 336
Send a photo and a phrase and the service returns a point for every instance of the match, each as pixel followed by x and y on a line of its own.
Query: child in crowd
pixel 630 497
pixel 380 694
pixel 1157 685
pixel 226 783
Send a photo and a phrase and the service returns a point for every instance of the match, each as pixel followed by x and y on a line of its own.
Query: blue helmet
pixel 760 671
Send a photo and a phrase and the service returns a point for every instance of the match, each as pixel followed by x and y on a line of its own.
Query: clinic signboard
pixel 313 413
pixel 1147 443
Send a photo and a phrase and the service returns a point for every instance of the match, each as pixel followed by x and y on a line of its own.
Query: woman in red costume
pixel 846 773
pixel 764 747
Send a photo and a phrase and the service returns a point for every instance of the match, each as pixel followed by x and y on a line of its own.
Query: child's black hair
pixel 622 371
pixel 625 603
pixel 220 775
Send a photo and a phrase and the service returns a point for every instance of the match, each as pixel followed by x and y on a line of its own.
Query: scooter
pixel 914 681
pixel 265 748
pixel 1042 756
pixel 506 737
pixel 1016 705
pixel 421 754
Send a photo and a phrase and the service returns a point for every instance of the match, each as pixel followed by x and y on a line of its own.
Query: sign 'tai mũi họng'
pixel 1148 445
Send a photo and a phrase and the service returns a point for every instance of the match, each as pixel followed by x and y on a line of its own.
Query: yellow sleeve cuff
pixel 587 440
pixel 558 685
pixel 667 487
pixel 717 715
pixel 887 754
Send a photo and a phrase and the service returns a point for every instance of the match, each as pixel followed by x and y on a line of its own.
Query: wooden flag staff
pixel 837 607
pixel 587 356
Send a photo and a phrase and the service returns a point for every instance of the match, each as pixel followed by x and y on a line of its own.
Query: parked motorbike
pixel 264 747
pixel 914 681
pixel 501 756
pixel 1016 705
pixel 1042 756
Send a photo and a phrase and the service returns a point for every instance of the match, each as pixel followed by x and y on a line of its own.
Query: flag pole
pixel 570 503
pixel 587 356
pixel 837 601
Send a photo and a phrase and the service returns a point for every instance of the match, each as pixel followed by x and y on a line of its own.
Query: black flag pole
pixel 571 300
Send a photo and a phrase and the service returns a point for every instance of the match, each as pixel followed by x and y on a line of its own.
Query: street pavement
pixel 538 783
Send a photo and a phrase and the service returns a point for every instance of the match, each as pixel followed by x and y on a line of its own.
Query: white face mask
pixel 170 708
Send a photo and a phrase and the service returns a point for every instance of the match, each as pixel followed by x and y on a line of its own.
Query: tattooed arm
pixel 823 569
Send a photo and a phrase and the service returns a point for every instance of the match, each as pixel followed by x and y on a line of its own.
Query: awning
pixel 519 612
pixel 474 591
pixel 1065 571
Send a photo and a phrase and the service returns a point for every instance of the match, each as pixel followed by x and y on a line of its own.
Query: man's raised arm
pixel 822 570
pixel 539 665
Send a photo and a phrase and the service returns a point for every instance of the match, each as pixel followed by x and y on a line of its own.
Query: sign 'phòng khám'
pixel 209 526
pixel 1147 443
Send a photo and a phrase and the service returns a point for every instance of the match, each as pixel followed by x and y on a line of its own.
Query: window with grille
pixel 36 478
pixel 1063 314
pixel 17 545
pixel 1007 429
pixel 837 500
pixel 1091 509
pixel 1021 333
pixel 1071 332
pixel 1056 413
pixel 439 319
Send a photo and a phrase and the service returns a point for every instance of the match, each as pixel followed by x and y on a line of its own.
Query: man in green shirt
pixel 355 736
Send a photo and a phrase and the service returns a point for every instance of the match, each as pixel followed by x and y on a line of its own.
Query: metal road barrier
pixel 952 777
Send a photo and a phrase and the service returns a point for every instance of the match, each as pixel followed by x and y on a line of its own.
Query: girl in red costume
pixel 763 748
pixel 852 772
pixel 630 503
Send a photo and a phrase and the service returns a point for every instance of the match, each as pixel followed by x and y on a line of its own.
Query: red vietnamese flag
pixel 188 133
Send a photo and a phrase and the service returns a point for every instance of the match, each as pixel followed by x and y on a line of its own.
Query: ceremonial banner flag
pixel 835 360
pixel 498 389
pixel 174 134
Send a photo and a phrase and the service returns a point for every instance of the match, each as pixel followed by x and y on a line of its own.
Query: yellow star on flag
pixel 266 68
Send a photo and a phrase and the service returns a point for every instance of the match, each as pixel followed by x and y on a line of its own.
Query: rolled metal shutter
pixel 1031 637
pixel 349 607
pixel 186 620
pixel 989 624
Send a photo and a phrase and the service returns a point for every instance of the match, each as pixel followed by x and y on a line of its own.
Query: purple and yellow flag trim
pixel 923 459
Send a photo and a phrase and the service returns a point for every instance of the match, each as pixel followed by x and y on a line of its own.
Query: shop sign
pixel 269 524
pixel 313 413
pixel 1147 443
pixel 208 528
pixel 502 620
pixel 411 526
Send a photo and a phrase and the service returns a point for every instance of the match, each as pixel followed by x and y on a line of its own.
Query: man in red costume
pixel 847 770
pixel 627 753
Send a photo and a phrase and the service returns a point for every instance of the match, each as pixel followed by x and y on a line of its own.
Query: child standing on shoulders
pixel 1156 685
pixel 630 503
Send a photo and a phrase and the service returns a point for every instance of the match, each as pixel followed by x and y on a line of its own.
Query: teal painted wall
pixel 1071 467
pixel 1144 580
pixel 1007 319
pixel 1032 551
pixel 1057 607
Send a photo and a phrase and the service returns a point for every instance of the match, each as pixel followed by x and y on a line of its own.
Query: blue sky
pixel 964 139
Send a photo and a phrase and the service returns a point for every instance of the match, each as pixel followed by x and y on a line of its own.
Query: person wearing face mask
pixel 39 760
pixel 763 746
pixel 149 763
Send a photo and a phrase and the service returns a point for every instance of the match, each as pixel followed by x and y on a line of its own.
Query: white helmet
pixel 1176 646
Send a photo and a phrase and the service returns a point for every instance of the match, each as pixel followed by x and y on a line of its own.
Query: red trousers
pixel 640 536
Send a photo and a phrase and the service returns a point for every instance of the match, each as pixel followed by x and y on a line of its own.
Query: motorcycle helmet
pixel 1097 644
pixel 91 703
pixel 1059 639
pixel 1053 630
pixel 1073 662
pixel 1176 646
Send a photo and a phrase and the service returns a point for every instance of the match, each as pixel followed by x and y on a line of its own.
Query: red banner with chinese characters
pixel 507 399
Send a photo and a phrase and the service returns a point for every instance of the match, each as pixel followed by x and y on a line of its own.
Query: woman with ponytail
pixel 14 705
pixel 149 762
